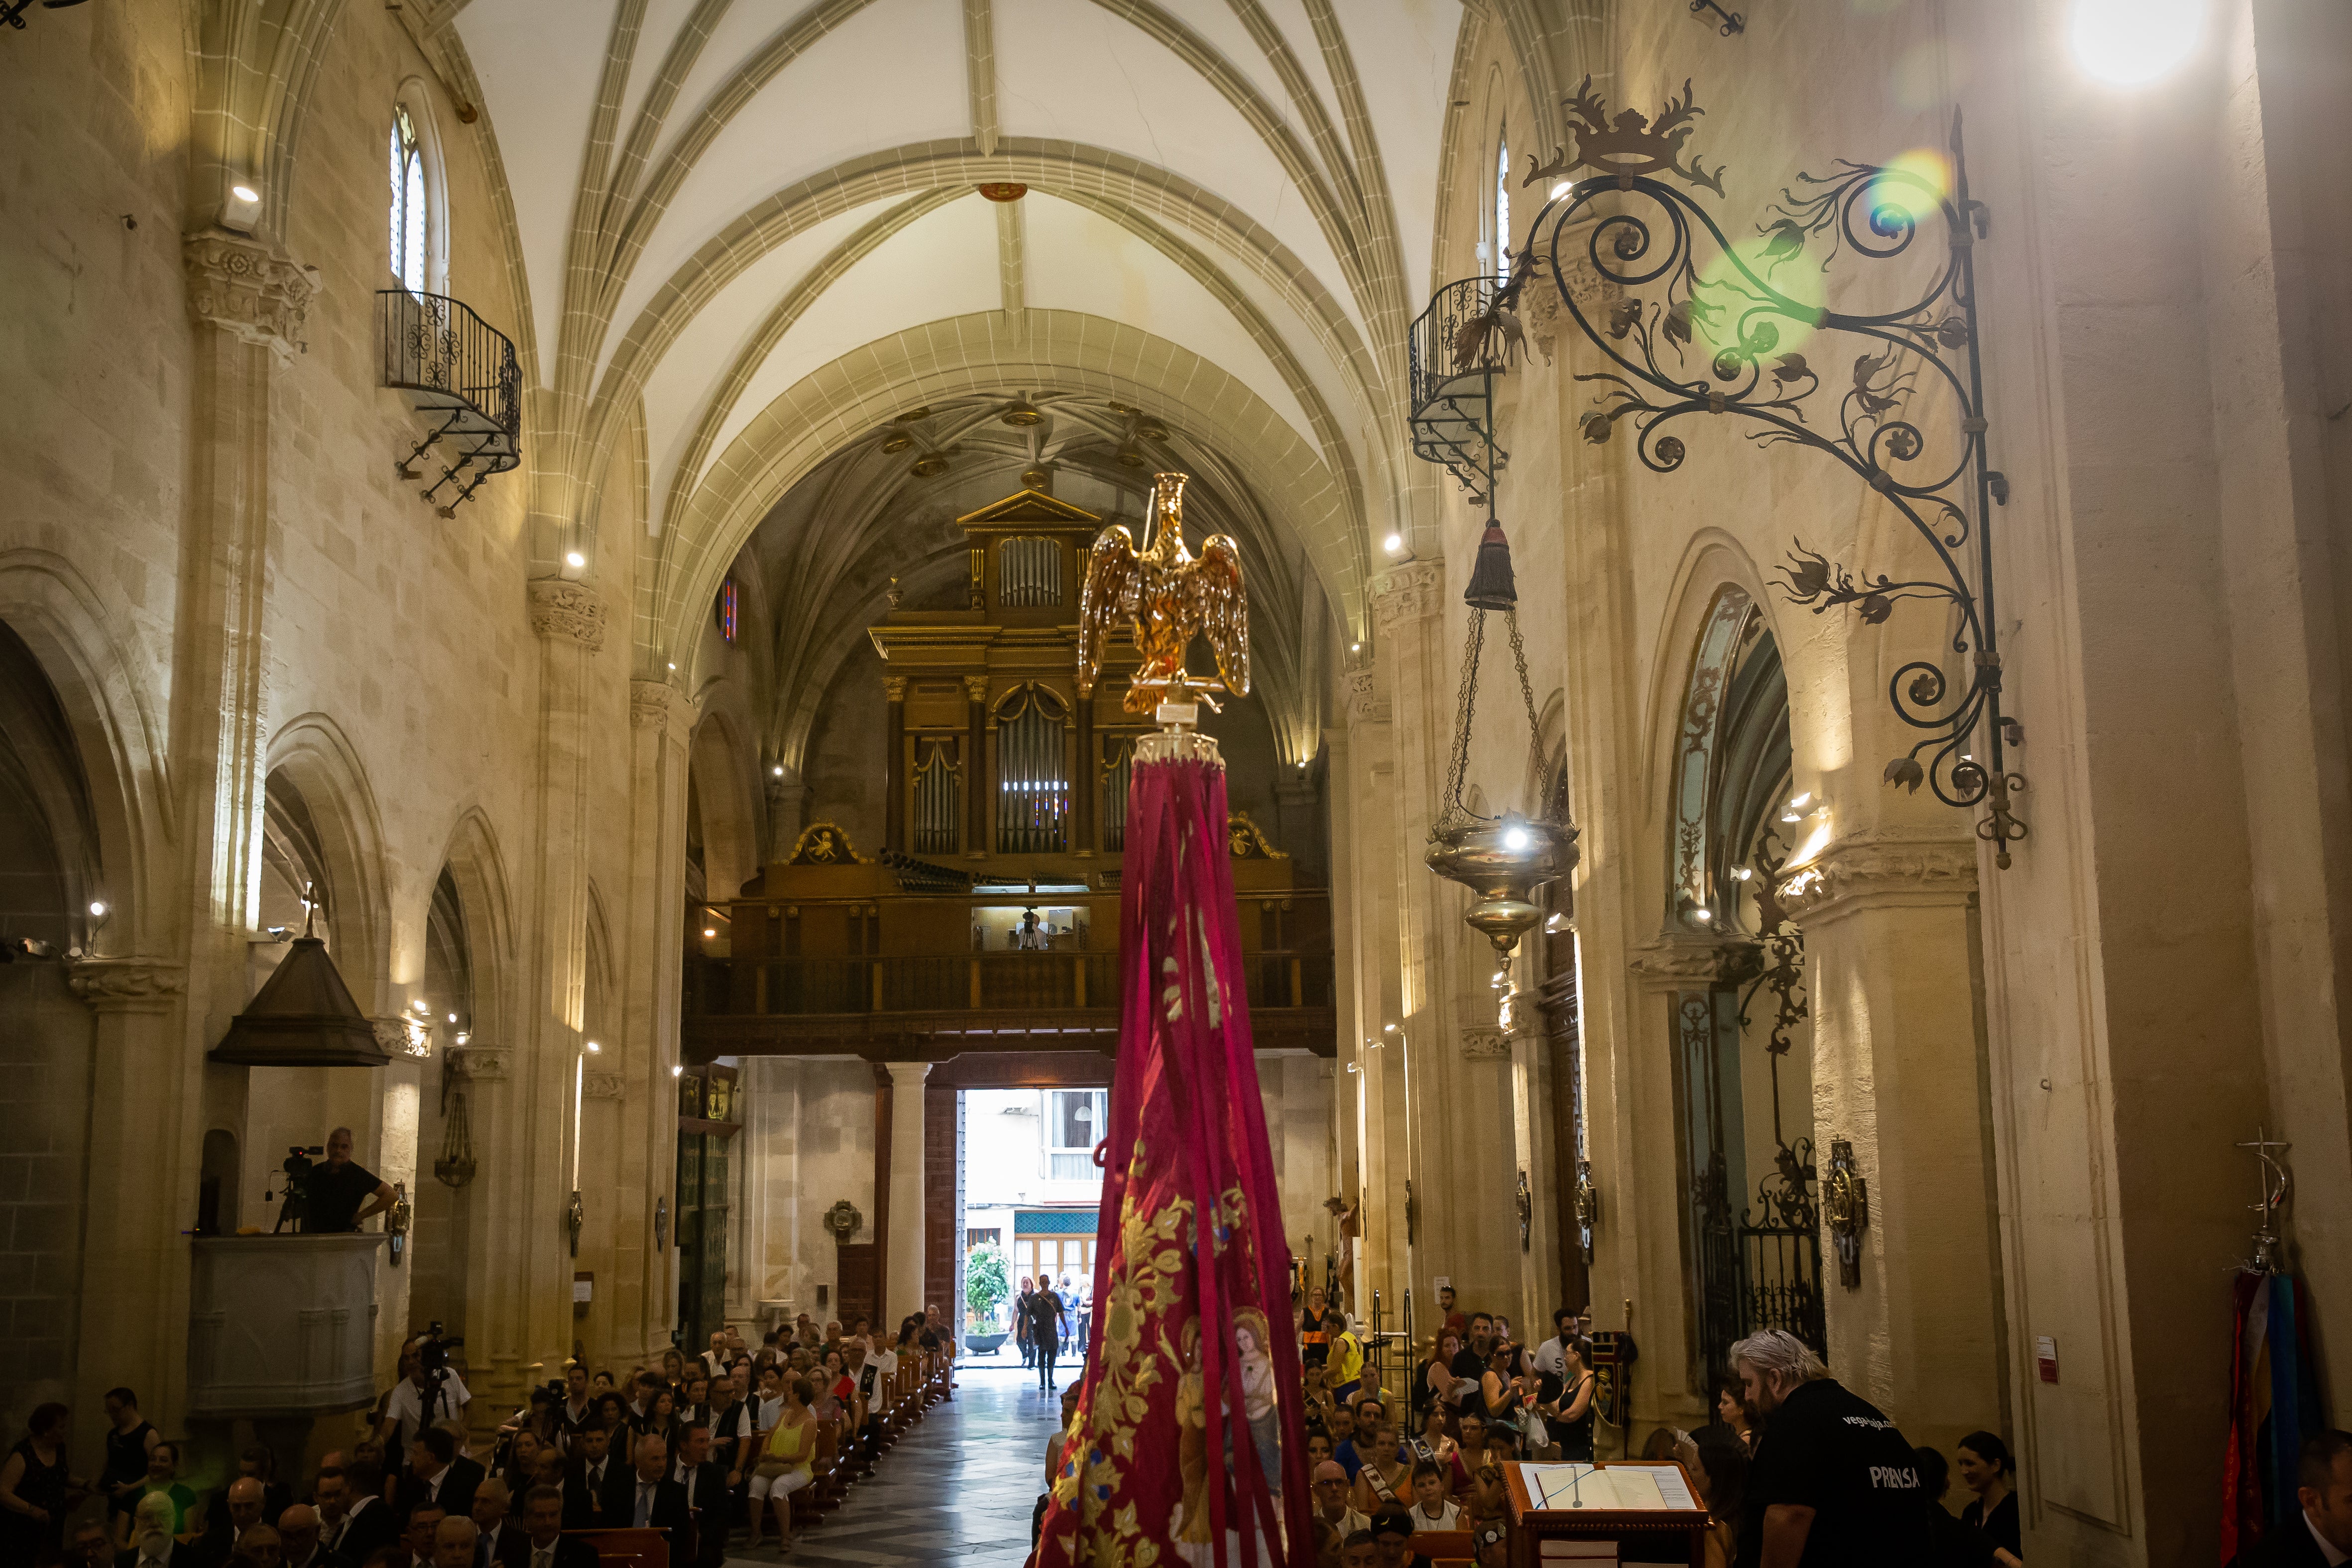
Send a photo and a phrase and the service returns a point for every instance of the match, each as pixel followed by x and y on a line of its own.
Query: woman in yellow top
pixel 785 1456
pixel 1344 1371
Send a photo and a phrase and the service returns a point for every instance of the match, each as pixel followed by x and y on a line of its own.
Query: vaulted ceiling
pixel 752 233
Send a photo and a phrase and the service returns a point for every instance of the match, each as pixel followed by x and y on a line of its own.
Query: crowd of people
pixel 1792 1470
pixel 709 1449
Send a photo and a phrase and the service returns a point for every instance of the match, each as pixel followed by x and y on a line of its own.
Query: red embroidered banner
pixel 1185 1446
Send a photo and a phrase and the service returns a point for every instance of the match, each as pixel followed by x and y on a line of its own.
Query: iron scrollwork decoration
pixel 1749 315
pixel 661 1221
pixel 1588 1208
pixel 1411 1216
pixel 1527 1202
pixel 575 1219
pixel 1845 1209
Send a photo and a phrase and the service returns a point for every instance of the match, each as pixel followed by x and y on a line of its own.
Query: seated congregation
pixel 729 1450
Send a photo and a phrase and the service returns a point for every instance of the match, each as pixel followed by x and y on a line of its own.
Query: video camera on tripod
pixel 295 1211
pixel 433 1348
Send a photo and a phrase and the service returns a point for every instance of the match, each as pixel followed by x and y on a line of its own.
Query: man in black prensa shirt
pixel 1834 1484
pixel 337 1187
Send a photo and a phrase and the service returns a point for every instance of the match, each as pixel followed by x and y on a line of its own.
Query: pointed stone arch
pixel 313 753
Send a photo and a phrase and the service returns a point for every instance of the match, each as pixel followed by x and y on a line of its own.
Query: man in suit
pixel 708 1500
pixel 595 1485
pixel 298 1535
pixel 367 1522
pixel 438 1473
pixel 491 1500
pixel 540 1543
pixel 654 1500
pixel 2322 1536
pixel 237 1510
pixel 423 1523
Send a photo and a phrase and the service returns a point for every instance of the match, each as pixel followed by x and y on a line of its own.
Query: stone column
pixel 519 1277
pixel 1295 791
pixel 976 796
pixel 400 1096
pixel 638 1302
pixel 787 808
pixel 894 763
pixel 134 1265
pixel 1364 850
pixel 1899 1072
pixel 158 1013
pixel 905 1284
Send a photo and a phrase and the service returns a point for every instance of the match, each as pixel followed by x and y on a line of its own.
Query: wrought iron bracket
pixel 1733 22
pixel 1845 1210
pixel 1735 333
pixel 12 12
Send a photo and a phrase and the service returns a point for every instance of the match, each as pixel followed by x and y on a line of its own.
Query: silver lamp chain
pixel 1466 706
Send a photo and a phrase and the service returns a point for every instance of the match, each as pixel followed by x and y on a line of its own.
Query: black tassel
pixel 1491 583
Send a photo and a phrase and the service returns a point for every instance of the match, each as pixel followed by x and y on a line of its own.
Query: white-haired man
pixel 1834 1484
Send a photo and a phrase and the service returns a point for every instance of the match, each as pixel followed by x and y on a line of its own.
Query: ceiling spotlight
pixel 575 560
pixel 453 1018
pixel 1702 914
pixel 422 1005
pixel 1393 544
pixel 1555 924
pixel 1388 1028
pixel 778 770
pixel 2130 43
pixel 1742 872
pixel 1798 802
pixel 1021 413
pixel 245 192
pixel 673 669
pixel 677 1072
pixel 98 909
pixel 593 1048
pixel 463 1036
pixel 1355 647
pixel 710 931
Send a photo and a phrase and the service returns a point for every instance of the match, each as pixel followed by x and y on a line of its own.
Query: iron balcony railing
pixel 1025 982
pixel 461 372
pixel 1458 346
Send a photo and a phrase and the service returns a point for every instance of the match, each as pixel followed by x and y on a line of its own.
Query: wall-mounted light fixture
pixel 2131 43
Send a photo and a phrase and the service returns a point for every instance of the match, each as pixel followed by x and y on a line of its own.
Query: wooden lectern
pixel 1553 1505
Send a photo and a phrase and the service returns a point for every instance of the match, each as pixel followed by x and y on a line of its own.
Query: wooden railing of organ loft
pixel 1065 978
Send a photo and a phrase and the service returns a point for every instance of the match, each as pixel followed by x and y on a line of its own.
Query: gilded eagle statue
pixel 1170 597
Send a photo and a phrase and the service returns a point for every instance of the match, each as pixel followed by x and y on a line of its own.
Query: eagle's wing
pixel 1107 593
pixel 1225 609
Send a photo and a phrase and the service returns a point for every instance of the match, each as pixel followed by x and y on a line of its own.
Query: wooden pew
pixel 627 1548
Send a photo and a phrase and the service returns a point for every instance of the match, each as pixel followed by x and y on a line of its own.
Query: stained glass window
pixel 1503 207
pixel 727 623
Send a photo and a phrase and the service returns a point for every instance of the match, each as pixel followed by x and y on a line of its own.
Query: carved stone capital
pixel 562 608
pixel 601 1086
pixel 1404 593
pixel 894 688
pixel 485 1066
pixel 1863 872
pixel 1486 1043
pixel 127 984
pixel 1672 965
pixel 246 288
pixel 1366 705
pixel 403 1038
pixel 976 688
pixel 655 703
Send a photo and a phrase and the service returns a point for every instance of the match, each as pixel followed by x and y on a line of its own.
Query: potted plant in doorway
pixel 987 1281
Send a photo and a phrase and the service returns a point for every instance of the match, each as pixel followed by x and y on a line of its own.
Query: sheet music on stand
pixel 1630 1487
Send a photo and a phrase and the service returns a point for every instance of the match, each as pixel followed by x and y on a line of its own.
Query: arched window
pixel 418 229
pixel 408 218
pixel 1503 205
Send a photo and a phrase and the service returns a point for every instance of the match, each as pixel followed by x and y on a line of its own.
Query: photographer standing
pixel 338 1188
pixel 405 1414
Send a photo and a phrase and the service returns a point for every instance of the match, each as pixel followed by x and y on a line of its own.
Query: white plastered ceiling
pixel 1218 174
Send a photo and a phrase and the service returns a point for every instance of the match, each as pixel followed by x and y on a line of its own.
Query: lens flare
pixel 1728 315
pixel 1912 184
